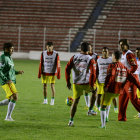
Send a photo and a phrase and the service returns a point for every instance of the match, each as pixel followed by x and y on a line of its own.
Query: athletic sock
pixel 71 119
pixel 87 100
pixel 99 108
pixel 103 117
pixel 107 111
pixel 11 107
pixel 4 102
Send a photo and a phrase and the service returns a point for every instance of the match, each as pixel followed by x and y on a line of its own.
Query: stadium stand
pixel 118 19
pixel 29 23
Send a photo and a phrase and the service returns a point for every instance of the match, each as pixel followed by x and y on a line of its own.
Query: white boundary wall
pixel 35 55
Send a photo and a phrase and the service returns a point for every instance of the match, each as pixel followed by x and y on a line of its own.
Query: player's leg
pixel 107 112
pixel 11 107
pixel 87 99
pixel 115 105
pixel 134 98
pixel 73 111
pixel 103 116
pixel 11 93
pixel 92 102
pixel 44 82
pixel 45 93
pixel 99 101
pixel 53 93
pixel 123 103
pixel 4 102
pixel 100 92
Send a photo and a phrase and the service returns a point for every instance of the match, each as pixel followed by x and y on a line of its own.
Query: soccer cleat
pixel 116 110
pixel 52 102
pixel 45 102
pixel 9 119
pixel 71 123
pixel 137 116
pixel 91 112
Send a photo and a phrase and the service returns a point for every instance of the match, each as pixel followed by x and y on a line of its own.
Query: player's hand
pixel 69 85
pixel 8 82
pixel 21 72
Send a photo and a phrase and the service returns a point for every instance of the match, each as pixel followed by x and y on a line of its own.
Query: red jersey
pixel 43 66
pixel 117 75
pixel 78 76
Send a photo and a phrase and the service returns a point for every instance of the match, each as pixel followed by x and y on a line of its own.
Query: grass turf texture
pixel 36 121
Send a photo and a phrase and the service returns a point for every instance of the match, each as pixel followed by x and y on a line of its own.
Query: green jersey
pixel 7 71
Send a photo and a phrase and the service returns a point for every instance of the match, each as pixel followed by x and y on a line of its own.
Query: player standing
pixel 8 78
pixel 95 57
pixel 48 68
pixel 81 64
pixel 117 76
pixel 102 65
pixel 129 60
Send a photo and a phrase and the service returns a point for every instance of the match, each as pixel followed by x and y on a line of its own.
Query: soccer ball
pixel 69 101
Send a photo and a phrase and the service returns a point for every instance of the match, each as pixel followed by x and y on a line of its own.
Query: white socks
pixel 4 102
pixel 103 117
pixel 107 111
pixel 45 101
pixel 10 109
pixel 87 100
pixel 52 101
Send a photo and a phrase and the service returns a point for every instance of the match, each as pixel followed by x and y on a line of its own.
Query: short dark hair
pixel 85 46
pixel 125 44
pixel 124 41
pixel 49 43
pixel 117 54
pixel 105 48
pixel 138 48
pixel 7 45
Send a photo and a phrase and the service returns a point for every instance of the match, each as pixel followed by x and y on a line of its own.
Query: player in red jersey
pixel 84 76
pixel 116 79
pixel 48 68
pixel 129 92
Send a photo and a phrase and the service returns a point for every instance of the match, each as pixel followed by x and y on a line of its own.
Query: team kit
pixel 101 79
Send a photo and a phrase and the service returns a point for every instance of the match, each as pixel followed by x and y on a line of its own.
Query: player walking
pixel 129 60
pixel 81 64
pixel 8 78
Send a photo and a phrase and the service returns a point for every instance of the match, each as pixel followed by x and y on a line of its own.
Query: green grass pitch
pixel 35 121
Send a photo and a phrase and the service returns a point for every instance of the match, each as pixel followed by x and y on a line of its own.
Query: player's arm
pixel 2 76
pixel 58 67
pixel 68 71
pixel 131 77
pixel 40 66
pixel 132 61
pixel 97 70
pixel 108 79
pixel 92 77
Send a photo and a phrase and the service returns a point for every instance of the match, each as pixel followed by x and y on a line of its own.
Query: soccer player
pixel 117 76
pixel 8 78
pixel 138 62
pixel 95 57
pixel 48 68
pixel 83 80
pixel 102 65
pixel 129 60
